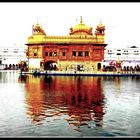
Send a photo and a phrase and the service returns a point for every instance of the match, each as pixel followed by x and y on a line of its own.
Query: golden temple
pixel 79 47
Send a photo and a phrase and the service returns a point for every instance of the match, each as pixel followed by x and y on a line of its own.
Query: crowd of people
pixel 123 69
pixel 130 68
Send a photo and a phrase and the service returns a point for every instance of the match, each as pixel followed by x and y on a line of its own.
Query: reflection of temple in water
pixel 80 98
pixel 85 99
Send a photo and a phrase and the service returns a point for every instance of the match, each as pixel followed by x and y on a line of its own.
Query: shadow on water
pixel 79 98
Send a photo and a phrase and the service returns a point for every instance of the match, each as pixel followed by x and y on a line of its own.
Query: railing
pixel 98 73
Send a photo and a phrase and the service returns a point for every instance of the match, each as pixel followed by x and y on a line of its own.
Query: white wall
pixel 34 63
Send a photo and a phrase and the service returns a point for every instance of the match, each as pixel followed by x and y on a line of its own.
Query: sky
pixel 121 20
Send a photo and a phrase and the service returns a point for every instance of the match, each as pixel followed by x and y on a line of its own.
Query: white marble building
pixel 12 56
pixel 129 56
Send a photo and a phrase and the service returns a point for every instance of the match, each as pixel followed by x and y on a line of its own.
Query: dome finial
pixel 37 20
pixel 100 21
pixel 81 20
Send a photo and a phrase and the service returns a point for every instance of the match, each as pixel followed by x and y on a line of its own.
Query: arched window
pixel 10 65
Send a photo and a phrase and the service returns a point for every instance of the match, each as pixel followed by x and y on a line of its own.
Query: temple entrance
pixel 50 65
pixel 99 66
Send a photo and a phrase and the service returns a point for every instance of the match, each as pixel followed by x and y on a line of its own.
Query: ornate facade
pixel 80 50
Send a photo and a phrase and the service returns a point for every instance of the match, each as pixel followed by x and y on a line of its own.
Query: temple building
pixel 79 50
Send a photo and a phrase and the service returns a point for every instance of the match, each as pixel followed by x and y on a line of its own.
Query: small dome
pixel 37 25
pixel 38 29
pixel 100 25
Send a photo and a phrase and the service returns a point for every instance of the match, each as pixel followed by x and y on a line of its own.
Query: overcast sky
pixel 122 20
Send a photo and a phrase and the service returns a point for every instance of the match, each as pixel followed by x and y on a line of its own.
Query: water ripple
pixel 69 106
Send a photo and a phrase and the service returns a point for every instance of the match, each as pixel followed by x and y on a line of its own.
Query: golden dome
pixel 37 25
pixel 81 28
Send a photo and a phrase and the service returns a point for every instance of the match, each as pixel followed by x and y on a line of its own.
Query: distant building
pixel 80 50
pixel 10 57
pixel 128 56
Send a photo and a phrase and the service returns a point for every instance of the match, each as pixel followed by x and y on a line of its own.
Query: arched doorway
pixel 13 66
pixel 50 65
pixel 10 65
pixel 99 66
pixel 16 66
pixel 6 66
